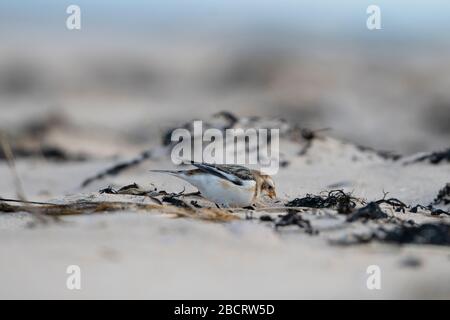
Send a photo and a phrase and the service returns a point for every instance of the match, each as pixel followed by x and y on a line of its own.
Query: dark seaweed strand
pixel 434 157
pixel 118 168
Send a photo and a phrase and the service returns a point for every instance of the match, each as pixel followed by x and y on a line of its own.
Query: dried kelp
pixel 443 196
pixel 4 207
pixel 336 199
pixel 47 152
pixel 386 155
pixel 226 118
pixel 293 217
pixel 398 205
pixel 344 203
pixel 433 157
pixel 430 209
pixel 427 233
pixel 371 211
pixel 135 190
pixel 118 168
pixel 176 202
pixel 309 136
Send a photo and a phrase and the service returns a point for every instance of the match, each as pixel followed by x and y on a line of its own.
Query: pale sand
pixel 152 255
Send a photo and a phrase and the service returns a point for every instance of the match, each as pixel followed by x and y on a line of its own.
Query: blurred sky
pixel 406 20
pixel 313 61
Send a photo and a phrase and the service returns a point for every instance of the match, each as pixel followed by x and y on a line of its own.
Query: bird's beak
pixel 272 194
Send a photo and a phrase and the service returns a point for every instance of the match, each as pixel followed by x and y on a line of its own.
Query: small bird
pixel 227 185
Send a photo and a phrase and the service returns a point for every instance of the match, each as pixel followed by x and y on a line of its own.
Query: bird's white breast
pixel 223 192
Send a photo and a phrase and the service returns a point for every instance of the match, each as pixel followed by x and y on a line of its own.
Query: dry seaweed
pixel 433 211
pixel 118 168
pixel 4 207
pixel 398 205
pixel 135 190
pixel 176 202
pixel 336 199
pixel 419 206
pixel 404 232
pixel 427 233
pixel 371 211
pixel 229 118
pixel 387 155
pixel 304 134
pixel 48 152
pixel 443 196
pixel 437 212
pixel 344 203
pixel 293 217
pixel 132 189
pixel 195 204
pixel 266 218
pixel 433 157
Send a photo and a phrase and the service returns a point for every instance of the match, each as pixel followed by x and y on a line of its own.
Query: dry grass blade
pixel 6 147
pixel 9 156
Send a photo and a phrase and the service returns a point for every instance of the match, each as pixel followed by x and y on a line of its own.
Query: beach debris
pixel 411 262
pixel 419 207
pixel 135 190
pixel 345 203
pixel 427 233
pixel 434 157
pixel 398 205
pixel 307 135
pixel 293 217
pixel 402 232
pixel 195 204
pixel 443 196
pixel 266 218
pixel 430 209
pixel 91 207
pixel 176 202
pixel 284 163
pixel 386 155
pixel 222 120
pixel 4 207
pixel 118 168
pixel 371 211
pixel 438 212
pixel 50 153
pixel 132 189
pixel 31 140
pixel 335 199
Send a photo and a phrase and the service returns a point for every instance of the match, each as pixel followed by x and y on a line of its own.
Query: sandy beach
pixel 364 158
pixel 159 254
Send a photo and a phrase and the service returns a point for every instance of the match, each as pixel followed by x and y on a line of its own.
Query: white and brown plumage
pixel 227 185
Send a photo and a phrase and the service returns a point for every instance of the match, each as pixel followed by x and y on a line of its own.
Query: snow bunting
pixel 227 185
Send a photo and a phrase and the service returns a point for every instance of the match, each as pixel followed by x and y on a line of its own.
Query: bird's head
pixel 267 186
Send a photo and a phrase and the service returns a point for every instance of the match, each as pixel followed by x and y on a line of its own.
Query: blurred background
pixel 136 67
